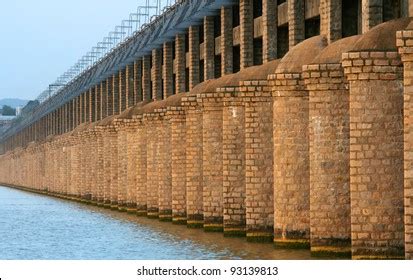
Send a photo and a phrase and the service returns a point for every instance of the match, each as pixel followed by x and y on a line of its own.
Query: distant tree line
pixel 7 111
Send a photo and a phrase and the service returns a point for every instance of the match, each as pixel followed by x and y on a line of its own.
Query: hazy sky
pixel 41 39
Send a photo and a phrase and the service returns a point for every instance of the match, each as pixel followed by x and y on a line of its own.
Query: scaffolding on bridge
pixel 144 14
pixel 147 28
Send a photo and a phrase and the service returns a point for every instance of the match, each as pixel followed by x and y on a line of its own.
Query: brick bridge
pixel 282 121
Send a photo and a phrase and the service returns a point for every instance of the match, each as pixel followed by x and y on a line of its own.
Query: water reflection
pixel 38 227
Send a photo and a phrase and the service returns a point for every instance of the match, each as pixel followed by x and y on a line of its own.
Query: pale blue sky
pixel 41 39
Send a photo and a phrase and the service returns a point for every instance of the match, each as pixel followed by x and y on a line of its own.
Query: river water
pixel 36 227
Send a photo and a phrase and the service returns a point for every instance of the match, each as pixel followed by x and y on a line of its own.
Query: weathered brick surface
pixel 372 14
pixel 246 33
pixel 146 78
pixel 122 166
pixel 132 151
pixel 180 63
pixel 141 166
pixel 193 136
pixel 233 164
pixel 157 57
pixel 167 70
pixel 212 160
pixel 100 167
pixel 226 41
pixel 259 160
pixel 209 48
pixel 137 79
pixel 152 124
pixel 405 44
pixel 107 162
pixel 296 19
pixel 193 56
pixel 164 167
pixel 291 160
pixel 176 116
pixel 376 154
pixel 116 94
pixel 331 19
pixel 329 136
pixel 269 36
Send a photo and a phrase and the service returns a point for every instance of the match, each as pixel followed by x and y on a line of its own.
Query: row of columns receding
pixel 253 32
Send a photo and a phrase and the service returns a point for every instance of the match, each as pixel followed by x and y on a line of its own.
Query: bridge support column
pixel 86 104
pixel 193 136
pixel 99 102
pixel 132 168
pixel 93 165
pixel 107 160
pixel 164 166
pixel 176 117
pixel 116 94
pixel 152 182
pixel 331 19
pixel 100 176
pixel 258 161
pixel 77 114
pixel 123 90
pixel 226 41
pixel 157 74
pixel 140 137
pixel 193 56
pixel 212 161
pixel 91 100
pixel 122 147
pixel 270 24
pixel 372 14
pixel 87 150
pixel 103 96
pixel 329 134
pixel 137 79
pixel 246 33
pixel 233 155
pixel 168 70
pixel 404 39
pixel 296 22
pixel 180 63
pixel 83 191
pixel 146 78
pixel 376 154
pixel 76 168
pixel 109 96
pixel 291 162
pixel 209 48
pixel 114 179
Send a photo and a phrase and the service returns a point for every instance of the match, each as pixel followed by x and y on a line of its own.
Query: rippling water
pixel 39 227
